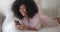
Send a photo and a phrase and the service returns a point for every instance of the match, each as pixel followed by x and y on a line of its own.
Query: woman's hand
pixel 58 19
pixel 18 25
pixel 21 27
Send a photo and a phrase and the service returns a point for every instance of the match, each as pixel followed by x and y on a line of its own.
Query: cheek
pixel 22 10
pixel 23 13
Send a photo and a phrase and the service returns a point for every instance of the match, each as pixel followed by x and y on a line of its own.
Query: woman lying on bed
pixel 29 17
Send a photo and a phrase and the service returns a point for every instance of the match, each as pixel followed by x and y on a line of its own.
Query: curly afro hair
pixel 31 8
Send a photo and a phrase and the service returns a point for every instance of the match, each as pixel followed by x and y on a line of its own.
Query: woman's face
pixel 22 10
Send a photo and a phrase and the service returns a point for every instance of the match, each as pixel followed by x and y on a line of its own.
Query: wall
pixel 51 7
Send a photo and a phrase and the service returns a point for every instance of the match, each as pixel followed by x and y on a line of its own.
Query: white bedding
pixel 47 29
pixel 51 29
pixel 8 26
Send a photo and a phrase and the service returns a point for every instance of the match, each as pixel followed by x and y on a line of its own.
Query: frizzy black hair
pixel 31 8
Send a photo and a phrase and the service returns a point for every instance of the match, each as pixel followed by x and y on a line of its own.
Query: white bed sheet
pixel 9 27
pixel 47 29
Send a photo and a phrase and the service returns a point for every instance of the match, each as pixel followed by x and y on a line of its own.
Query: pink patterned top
pixel 39 21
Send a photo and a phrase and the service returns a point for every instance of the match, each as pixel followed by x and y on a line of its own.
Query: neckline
pixel 28 19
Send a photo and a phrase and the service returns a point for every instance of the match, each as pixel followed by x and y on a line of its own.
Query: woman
pixel 26 12
pixel 29 16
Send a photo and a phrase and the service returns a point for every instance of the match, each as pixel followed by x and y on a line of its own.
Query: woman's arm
pixel 30 28
pixel 22 27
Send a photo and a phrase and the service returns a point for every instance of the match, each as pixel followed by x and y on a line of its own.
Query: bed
pixel 10 27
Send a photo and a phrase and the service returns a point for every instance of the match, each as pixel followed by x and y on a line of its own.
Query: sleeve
pixel 38 25
pixel 37 22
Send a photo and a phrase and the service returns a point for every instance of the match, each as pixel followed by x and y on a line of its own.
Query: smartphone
pixel 17 23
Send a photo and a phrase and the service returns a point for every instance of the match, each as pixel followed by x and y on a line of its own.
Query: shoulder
pixel 37 15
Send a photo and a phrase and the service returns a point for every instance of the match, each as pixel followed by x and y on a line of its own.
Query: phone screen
pixel 17 22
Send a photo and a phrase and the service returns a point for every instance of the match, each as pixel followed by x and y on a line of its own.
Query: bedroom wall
pixel 51 7
pixel 58 11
